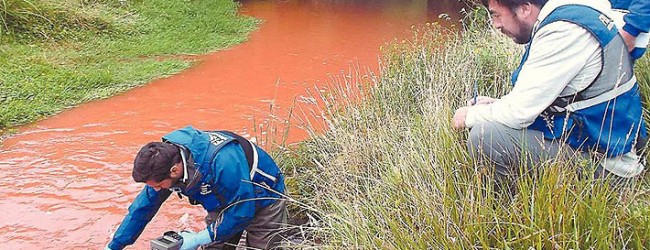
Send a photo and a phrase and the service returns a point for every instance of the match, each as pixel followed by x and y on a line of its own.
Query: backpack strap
pixel 246 146
pixel 251 156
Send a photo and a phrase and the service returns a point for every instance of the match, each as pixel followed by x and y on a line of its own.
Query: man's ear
pixel 175 171
pixel 524 10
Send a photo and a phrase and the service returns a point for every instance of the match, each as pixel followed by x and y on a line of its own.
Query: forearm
pixel 502 112
pixel 638 18
pixel 140 212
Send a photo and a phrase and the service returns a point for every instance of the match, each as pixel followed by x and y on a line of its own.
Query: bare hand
pixel 458 122
pixel 629 39
pixel 480 100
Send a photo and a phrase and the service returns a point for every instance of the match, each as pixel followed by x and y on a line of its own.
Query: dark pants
pixel 262 233
pixel 513 152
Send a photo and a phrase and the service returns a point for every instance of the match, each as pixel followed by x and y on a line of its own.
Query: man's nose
pixel 497 24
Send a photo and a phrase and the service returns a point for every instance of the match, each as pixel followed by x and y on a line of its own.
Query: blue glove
pixel 192 241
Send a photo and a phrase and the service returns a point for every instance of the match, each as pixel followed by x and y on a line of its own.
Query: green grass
pixel 389 172
pixel 57 54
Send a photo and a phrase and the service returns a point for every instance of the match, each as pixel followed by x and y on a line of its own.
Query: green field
pixel 57 54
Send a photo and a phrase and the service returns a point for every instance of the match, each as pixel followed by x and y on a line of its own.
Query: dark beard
pixel 524 34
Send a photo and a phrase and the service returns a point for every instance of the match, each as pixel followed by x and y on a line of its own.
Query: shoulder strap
pixel 246 146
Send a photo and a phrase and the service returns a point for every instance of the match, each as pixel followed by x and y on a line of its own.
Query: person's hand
pixel 630 40
pixel 192 240
pixel 458 122
pixel 480 100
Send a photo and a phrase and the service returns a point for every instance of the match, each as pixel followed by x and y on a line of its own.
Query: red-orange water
pixel 67 179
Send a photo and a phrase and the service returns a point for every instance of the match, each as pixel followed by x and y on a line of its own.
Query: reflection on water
pixel 67 179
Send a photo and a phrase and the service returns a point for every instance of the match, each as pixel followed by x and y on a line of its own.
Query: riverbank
pixel 391 173
pixel 56 55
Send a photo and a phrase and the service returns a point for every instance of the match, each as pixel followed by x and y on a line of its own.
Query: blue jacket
pixel 637 20
pixel 223 185
pixel 606 116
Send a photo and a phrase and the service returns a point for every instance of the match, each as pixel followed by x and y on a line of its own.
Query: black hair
pixel 512 4
pixel 154 161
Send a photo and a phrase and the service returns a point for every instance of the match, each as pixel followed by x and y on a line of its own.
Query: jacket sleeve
pixel 143 208
pixel 233 182
pixel 562 55
pixel 638 18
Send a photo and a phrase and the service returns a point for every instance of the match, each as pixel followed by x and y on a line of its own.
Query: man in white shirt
pixel 574 97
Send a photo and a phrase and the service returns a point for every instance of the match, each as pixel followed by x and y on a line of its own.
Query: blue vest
pixel 607 115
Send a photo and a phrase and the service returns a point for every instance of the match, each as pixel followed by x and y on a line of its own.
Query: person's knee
pixel 481 136
pixel 485 145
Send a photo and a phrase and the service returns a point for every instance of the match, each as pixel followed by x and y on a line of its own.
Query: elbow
pixel 519 120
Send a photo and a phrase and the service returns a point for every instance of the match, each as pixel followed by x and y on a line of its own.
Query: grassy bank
pixel 57 54
pixel 389 172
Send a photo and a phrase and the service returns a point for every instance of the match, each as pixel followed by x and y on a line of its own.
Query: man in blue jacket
pixel 236 182
pixel 635 24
